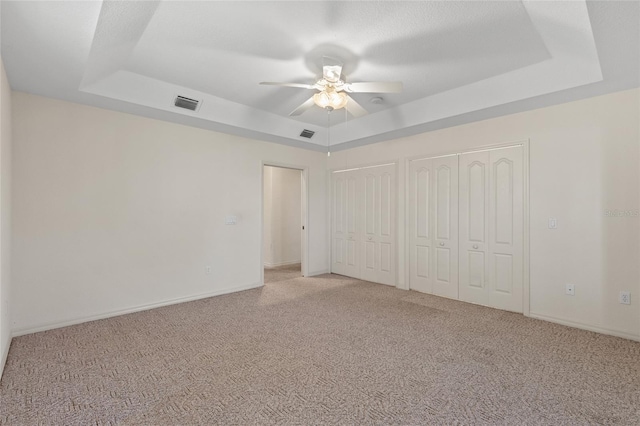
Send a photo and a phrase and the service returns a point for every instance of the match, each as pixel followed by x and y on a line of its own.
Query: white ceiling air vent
pixel 186 103
pixel 307 133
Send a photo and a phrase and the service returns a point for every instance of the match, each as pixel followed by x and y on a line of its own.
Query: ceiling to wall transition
pixel 458 61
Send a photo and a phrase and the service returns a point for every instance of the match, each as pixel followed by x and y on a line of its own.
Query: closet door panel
pixel 345 248
pixel 387 259
pixel 474 227
pixel 445 226
pixel 379 219
pixel 339 231
pixel 364 224
pixel 506 229
pixel 369 216
pixel 352 267
pixel 420 241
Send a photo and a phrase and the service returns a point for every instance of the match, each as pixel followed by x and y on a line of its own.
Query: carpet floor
pixel 282 273
pixel 321 350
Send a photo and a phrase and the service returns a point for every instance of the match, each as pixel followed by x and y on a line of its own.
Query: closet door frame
pixel 525 201
pixel 396 163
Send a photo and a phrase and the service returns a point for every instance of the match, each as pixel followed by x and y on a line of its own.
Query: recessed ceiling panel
pixel 429 46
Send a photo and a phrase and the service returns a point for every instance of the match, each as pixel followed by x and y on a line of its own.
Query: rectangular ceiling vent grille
pixel 307 133
pixel 186 103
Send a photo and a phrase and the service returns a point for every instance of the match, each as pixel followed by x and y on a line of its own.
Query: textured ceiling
pixel 456 59
pixel 436 48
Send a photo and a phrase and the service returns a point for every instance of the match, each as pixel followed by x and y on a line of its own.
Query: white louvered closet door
pixel 433 227
pixel 491 228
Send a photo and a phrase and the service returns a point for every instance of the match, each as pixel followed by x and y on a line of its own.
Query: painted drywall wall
pixel 583 164
pixel 115 212
pixel 5 217
pixel 282 216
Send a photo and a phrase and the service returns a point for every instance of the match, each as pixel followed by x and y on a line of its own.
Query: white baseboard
pixel 276 264
pixel 51 326
pixel 574 324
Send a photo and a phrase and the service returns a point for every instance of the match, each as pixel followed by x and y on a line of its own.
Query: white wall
pixel 583 161
pixel 282 215
pixel 114 212
pixel 5 216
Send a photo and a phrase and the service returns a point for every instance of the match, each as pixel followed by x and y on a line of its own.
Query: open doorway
pixel 283 236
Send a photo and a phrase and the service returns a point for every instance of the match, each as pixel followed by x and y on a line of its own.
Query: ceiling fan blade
pixel 296 85
pixel 374 87
pixel 302 108
pixel 355 108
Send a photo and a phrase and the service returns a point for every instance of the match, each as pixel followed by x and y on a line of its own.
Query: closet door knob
pixel 369 238
pixel 441 243
pixel 475 246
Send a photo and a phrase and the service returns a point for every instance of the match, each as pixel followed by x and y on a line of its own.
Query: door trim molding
pixel 304 205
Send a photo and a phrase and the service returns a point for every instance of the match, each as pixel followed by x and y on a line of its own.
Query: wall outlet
pixel 207 270
pixel 570 290
pixel 625 297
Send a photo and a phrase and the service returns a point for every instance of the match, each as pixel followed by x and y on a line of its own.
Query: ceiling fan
pixel 333 90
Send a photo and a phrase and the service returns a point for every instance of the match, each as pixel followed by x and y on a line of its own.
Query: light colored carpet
pixel 282 273
pixel 324 350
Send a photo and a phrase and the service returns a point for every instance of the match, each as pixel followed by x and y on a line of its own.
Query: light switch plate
pixel 553 223
pixel 570 290
pixel 230 220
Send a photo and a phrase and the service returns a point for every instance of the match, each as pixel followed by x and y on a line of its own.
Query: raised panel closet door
pixel 445 226
pixel 345 259
pixel 474 227
pixel 386 267
pixel 378 224
pixel 506 229
pixel 420 240
pixel 369 243
pixel 339 229
pixel 352 222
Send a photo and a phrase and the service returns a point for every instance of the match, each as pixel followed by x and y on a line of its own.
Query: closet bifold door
pixel 491 228
pixel 420 232
pixel 378 224
pixel 433 227
pixel 445 227
pixel 345 233
pixel 474 227
pixel 506 229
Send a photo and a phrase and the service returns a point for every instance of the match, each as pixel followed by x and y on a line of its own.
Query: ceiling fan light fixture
pixel 330 98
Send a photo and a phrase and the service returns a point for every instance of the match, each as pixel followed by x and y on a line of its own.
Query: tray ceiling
pixel 458 60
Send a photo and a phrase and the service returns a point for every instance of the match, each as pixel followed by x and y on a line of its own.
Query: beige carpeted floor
pixel 282 273
pixel 323 350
